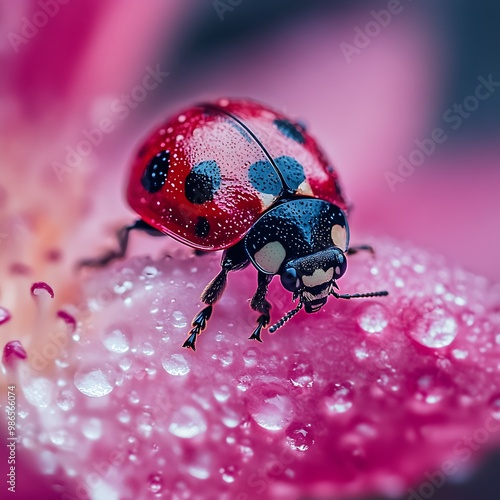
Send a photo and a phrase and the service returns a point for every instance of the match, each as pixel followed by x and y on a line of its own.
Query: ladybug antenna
pixel 382 293
pixel 289 315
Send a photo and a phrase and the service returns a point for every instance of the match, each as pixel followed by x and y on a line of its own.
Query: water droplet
pixel 250 357
pixel 372 317
pixel 125 364
pixel 133 398
pixel 39 392
pixel 301 373
pixel 436 328
pixel 147 349
pixel 66 400
pixel 94 384
pixel 179 320
pixel 187 423
pixel 228 473
pixel 428 394
pixel 200 470
pixel 116 340
pixel 124 417
pixel 150 271
pixel 231 418
pixel 361 352
pixel 340 399
pixel 176 365
pixel 459 353
pixel 145 424
pixel 123 286
pixel 222 393
pixel 132 447
pixel 494 405
pixel 155 482
pixel 299 437
pixel 58 437
pixel 270 407
pixel 92 429
pixel 226 358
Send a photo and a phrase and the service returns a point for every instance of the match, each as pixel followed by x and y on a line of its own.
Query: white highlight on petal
pixel 270 256
pixel 318 277
pixel 339 237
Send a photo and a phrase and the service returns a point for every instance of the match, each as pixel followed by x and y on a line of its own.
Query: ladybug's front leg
pixel 233 259
pixel 260 303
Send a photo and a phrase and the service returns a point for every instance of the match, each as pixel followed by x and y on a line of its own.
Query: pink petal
pixel 362 397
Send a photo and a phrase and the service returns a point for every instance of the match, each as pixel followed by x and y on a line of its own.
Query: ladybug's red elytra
pixel 238 176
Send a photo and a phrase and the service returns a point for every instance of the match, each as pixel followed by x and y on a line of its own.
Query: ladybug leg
pixel 123 237
pixel 199 324
pixel 233 259
pixel 261 304
pixel 359 248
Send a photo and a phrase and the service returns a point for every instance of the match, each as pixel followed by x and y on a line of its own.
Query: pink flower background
pixel 59 83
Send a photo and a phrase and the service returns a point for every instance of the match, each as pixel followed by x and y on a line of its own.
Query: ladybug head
pixel 312 277
pixel 302 240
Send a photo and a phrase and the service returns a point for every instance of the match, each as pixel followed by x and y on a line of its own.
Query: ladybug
pixel 238 176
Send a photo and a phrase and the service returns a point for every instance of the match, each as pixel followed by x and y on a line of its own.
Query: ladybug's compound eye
pixel 290 280
pixel 340 266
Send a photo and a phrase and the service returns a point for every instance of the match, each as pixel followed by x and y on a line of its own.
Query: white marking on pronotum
pixel 339 237
pixel 270 257
pixel 318 277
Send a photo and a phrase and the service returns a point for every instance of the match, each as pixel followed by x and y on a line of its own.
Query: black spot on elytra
pixel 202 228
pixel 264 178
pixel 202 182
pixel 155 175
pixel 288 129
pixel 291 170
